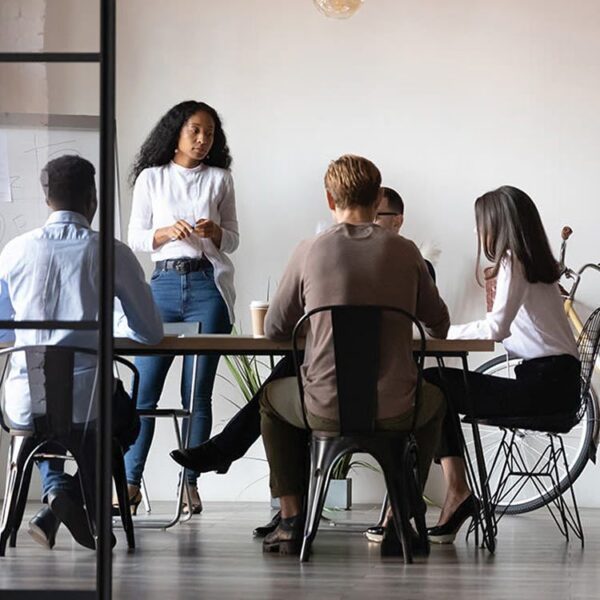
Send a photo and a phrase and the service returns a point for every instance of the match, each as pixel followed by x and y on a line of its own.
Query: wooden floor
pixel 215 557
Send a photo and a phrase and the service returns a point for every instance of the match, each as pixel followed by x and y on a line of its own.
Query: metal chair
pixel 50 372
pixel 544 473
pixel 175 415
pixel 356 332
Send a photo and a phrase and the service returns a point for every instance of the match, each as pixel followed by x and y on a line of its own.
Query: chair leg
pixel 17 456
pixel 321 463
pixel 395 476
pixel 145 496
pixel 87 485
pixel 21 503
pixel 123 495
pixel 418 507
pixel 576 525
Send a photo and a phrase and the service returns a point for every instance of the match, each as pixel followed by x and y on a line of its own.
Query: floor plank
pixel 214 556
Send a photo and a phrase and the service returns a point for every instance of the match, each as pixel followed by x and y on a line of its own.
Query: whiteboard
pixel 30 141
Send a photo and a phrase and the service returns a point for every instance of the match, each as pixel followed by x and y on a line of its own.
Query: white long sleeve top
pixel 166 194
pixel 528 318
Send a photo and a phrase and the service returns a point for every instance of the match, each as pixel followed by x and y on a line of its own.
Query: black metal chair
pixel 356 335
pixel 544 473
pixel 50 372
pixel 182 438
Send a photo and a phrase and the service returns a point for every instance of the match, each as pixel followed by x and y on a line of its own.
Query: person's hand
pixel 206 228
pixel 179 230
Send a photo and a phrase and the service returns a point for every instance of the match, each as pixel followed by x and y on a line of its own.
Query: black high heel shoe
pixel 446 533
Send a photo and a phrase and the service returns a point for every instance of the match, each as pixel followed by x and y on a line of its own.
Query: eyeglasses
pixel 387 214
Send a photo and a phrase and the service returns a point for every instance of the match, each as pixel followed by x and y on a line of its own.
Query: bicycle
pixel 581 442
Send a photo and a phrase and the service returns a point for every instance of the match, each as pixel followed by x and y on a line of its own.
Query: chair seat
pixel 557 423
pixel 164 412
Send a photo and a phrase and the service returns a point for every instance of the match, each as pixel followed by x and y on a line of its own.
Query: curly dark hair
pixel 160 145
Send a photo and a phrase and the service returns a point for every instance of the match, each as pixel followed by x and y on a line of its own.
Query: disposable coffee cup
pixel 258 310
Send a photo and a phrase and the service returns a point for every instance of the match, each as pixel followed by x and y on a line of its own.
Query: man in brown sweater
pixel 354 262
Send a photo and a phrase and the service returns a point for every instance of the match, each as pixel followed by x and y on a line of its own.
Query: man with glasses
pixel 390 216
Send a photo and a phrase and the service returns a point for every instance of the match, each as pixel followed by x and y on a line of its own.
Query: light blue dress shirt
pixel 52 273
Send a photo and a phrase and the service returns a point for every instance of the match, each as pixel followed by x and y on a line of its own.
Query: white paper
pixel 5 195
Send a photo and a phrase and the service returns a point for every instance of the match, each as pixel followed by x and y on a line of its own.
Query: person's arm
pixel 431 309
pixel 226 235
pixel 141 232
pixel 288 304
pixel 140 320
pixel 511 287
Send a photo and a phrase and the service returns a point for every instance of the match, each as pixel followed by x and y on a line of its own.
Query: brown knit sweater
pixel 357 264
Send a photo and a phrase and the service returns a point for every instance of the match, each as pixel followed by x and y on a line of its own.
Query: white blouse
pixel 528 318
pixel 166 194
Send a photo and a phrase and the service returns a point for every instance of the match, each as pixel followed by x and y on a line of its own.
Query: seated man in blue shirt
pixel 52 273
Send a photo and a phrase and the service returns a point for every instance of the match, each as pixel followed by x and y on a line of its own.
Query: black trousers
pixel 543 386
pixel 244 427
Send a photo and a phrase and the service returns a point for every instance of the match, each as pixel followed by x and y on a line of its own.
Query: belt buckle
pixel 181 266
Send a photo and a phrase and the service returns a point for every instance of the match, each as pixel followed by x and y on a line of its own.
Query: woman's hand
pixel 178 231
pixel 205 228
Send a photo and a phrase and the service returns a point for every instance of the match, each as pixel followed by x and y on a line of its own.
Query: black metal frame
pixel 403 492
pixel 545 468
pixel 106 59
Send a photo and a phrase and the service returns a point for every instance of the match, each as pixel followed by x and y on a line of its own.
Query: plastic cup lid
pixel 259 304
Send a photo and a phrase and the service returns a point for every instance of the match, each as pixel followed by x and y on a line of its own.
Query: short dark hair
pixel 68 182
pixel 509 227
pixel 394 199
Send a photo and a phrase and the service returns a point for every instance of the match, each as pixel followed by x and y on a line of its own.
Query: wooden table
pixel 205 344
pixel 248 345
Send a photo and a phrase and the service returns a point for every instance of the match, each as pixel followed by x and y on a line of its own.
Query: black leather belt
pixel 183 266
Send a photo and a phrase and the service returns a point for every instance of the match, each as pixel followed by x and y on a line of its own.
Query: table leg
pixel 477 478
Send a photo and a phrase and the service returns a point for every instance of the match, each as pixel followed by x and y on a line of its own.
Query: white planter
pixel 339 495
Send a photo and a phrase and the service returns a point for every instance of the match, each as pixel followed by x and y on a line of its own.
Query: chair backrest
pixel 356 332
pixel 588 345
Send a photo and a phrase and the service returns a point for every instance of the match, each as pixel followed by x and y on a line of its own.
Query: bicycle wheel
pixel 579 446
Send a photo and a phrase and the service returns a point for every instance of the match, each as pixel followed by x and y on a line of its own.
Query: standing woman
pixel 184 214
pixel 529 319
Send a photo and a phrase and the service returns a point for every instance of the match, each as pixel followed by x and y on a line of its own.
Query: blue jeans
pixel 180 298
pixel 53 475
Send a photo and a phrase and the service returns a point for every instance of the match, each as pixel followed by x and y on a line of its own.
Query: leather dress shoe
pixel 287 537
pixel 202 459
pixel 261 532
pixel 445 534
pixel 43 527
pixel 73 515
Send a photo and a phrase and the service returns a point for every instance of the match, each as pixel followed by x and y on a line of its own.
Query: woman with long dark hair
pixel 184 214
pixel 529 319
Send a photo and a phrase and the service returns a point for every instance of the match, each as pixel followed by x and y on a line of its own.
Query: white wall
pixel 449 99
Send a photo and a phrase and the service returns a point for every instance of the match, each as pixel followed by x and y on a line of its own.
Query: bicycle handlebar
pixel 565 234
